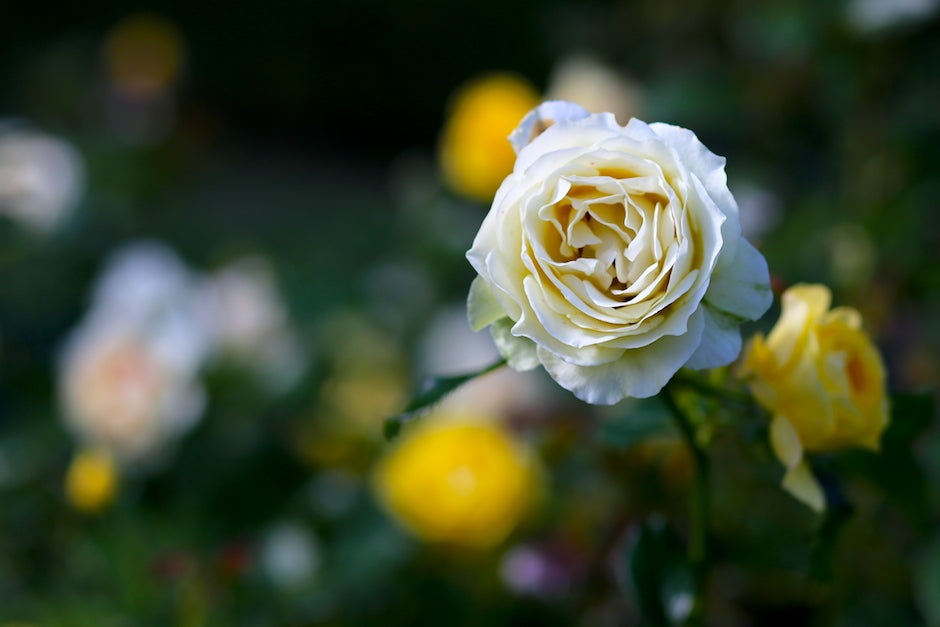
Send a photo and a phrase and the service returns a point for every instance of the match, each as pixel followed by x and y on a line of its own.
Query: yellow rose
pixel 475 155
pixel 91 480
pixel 463 482
pixel 822 379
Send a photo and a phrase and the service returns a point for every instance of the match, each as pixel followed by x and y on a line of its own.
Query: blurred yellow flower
pixel 475 155
pixel 143 54
pixel 91 480
pixel 823 380
pixel 462 481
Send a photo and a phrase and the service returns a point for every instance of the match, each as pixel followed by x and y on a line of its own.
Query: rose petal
pixel 785 441
pixel 710 170
pixel 519 352
pixel 558 143
pixel 721 341
pixel 801 483
pixel 540 118
pixel 639 373
pixel 482 306
pixel 742 288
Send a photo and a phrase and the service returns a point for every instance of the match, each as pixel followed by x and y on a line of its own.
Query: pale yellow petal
pixel 804 487
pixel 785 442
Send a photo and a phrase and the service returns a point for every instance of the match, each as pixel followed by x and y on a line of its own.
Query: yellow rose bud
pixel 91 480
pixel 463 482
pixel 823 380
pixel 475 154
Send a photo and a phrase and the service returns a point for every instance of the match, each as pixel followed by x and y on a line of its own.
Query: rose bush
pixel 613 256
pixel 822 379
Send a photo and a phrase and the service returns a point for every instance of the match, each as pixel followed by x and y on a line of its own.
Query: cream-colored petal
pixel 785 442
pixel 709 168
pixel 560 143
pixel 742 288
pixel 540 118
pixel 519 352
pixel 639 373
pixel 482 306
pixel 721 341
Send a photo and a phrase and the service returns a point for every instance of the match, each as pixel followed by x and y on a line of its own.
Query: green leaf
pixel 654 570
pixel 642 420
pixel 433 391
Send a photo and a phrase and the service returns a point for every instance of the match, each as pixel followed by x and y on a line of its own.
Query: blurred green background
pixel 306 134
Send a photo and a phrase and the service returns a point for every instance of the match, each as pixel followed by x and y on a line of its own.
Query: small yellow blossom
pixel 823 380
pixel 464 482
pixel 475 155
pixel 91 480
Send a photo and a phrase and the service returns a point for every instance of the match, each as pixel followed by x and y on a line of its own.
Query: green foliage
pixel 655 572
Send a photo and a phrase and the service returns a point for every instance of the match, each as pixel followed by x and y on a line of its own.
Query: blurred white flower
pixel 128 372
pixel 41 179
pixel 759 209
pixel 290 555
pixel 250 322
pixel 120 392
pixel 145 284
pixel 872 15
pixel 450 347
pixel 597 87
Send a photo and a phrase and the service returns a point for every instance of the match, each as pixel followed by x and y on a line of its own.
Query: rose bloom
pixel 459 480
pixel 474 155
pixel 613 256
pixel 128 371
pixel 822 379
pixel 120 392
pixel 41 179
pixel 250 322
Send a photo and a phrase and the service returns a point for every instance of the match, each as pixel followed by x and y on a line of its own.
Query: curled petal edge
pixel 639 373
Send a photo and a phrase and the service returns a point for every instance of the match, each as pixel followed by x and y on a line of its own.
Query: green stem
pixel 706 388
pixel 698 497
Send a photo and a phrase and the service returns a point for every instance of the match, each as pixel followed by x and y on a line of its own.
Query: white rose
pixel 128 373
pixel 251 324
pixel 41 179
pixel 613 256
pixel 120 391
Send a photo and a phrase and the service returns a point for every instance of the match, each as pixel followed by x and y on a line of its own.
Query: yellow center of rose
pixel 618 242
